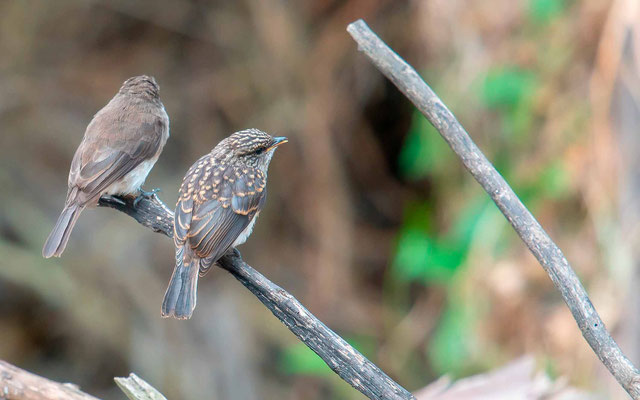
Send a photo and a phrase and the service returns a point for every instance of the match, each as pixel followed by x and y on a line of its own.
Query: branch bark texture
pixel 339 355
pixel 405 78
pixel 18 384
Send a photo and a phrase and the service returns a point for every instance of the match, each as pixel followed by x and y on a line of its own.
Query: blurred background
pixel 371 221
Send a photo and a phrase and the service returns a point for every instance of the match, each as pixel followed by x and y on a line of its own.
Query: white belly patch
pixel 132 181
pixel 246 232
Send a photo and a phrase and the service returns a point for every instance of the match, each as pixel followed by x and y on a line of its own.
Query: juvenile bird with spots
pixel 219 201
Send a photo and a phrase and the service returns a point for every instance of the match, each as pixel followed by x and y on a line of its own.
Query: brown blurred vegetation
pixel 370 221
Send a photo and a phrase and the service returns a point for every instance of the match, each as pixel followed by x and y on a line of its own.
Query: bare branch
pixel 339 355
pixel 137 388
pixel 18 384
pixel 543 248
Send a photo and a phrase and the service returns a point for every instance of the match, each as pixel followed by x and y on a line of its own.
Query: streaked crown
pixel 252 142
pixel 251 147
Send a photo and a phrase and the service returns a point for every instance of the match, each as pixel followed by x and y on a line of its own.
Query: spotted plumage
pixel 219 200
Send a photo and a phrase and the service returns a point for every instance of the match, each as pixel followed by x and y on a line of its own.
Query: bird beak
pixel 277 141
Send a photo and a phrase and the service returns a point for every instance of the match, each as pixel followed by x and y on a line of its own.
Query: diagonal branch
pixel 339 355
pixel 18 384
pixel 543 248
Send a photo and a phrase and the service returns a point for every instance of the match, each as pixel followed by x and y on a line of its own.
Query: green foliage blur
pixel 432 255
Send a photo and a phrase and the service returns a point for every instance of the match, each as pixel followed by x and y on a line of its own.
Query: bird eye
pixel 260 150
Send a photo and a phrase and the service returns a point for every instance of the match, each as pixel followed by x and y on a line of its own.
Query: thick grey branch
pixel 543 248
pixel 18 384
pixel 339 355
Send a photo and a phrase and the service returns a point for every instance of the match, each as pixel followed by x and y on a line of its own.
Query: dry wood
pixel 18 384
pixel 137 389
pixel 339 355
pixel 537 240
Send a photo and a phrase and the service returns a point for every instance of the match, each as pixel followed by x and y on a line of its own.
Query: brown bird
pixel 120 146
pixel 220 199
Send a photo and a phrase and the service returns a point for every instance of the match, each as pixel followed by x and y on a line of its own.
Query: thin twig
pixel 339 355
pixel 137 388
pixel 543 248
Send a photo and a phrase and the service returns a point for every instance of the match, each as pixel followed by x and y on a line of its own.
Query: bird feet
pixel 144 195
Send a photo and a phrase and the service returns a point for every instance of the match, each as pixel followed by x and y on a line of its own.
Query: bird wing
pixel 111 148
pixel 210 220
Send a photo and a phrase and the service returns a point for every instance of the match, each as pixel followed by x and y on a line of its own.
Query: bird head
pixel 141 85
pixel 252 147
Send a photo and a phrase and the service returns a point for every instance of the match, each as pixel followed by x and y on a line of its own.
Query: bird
pixel 120 146
pixel 219 201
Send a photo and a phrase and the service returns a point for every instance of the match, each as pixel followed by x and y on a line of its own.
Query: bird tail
pixel 180 298
pixel 59 236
